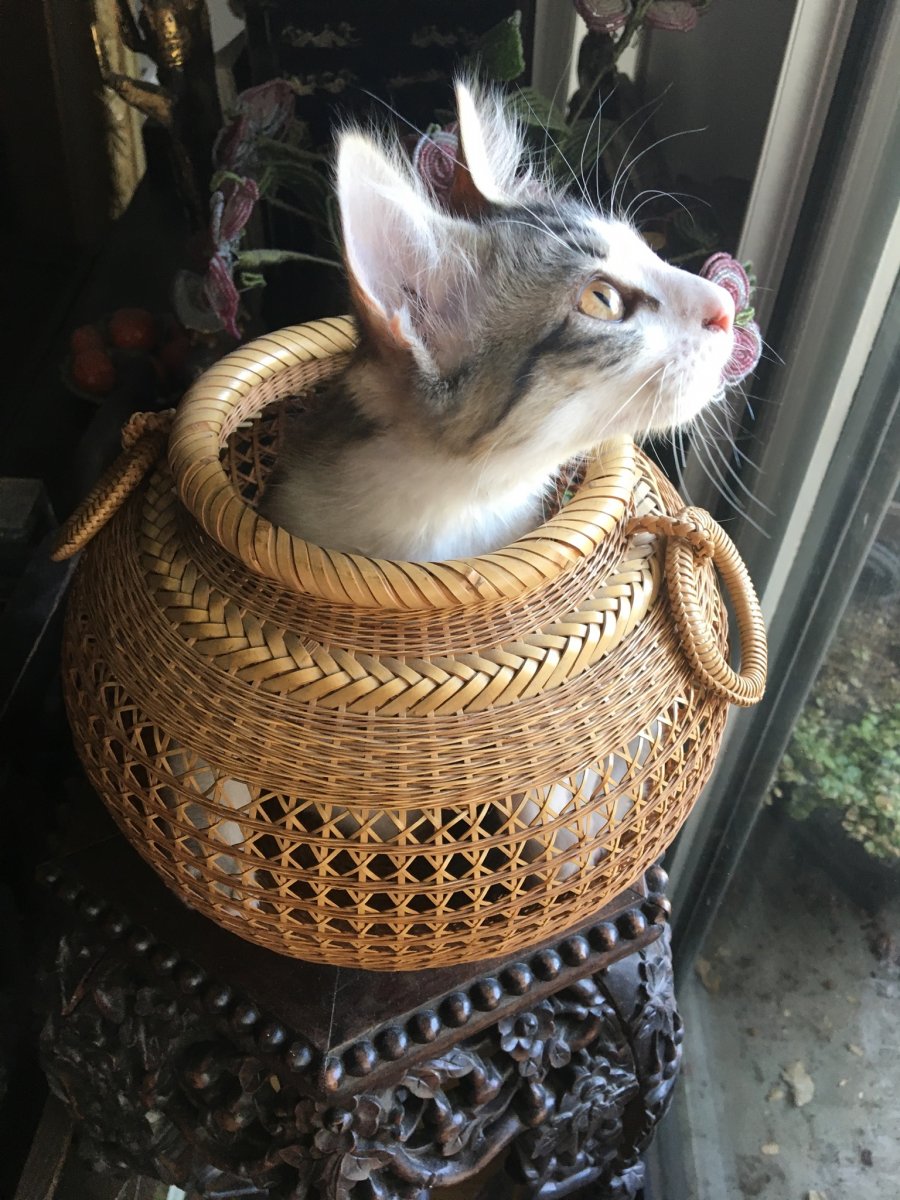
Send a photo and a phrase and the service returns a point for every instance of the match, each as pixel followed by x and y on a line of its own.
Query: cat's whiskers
pixel 712 442
pixel 623 173
pixel 554 202
pixel 548 137
pixel 603 429
pixel 756 396
pixel 394 113
pixel 620 127
pixel 714 474
pixel 541 228
pixel 724 411
pixel 562 80
pixel 747 396
pixel 490 449
pixel 637 133
pixel 598 157
pixel 657 402
pixel 641 435
pixel 681 463
pixel 697 443
pixel 726 433
pixel 598 118
pixel 652 194
pixel 772 355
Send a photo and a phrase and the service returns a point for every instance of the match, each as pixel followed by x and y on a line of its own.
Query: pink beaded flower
pixel 224 298
pixel 609 16
pixel 728 273
pixel 434 158
pixel 231 207
pixel 604 16
pixel 230 210
pixel 262 111
pixel 678 15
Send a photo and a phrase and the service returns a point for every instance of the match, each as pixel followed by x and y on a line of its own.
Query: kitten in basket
pixel 503 332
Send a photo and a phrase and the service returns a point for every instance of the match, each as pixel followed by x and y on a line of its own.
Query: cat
pixel 502 334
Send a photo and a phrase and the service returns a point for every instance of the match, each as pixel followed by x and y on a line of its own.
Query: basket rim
pixel 600 505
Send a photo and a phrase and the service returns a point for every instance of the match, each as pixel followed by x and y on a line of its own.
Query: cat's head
pixel 514 317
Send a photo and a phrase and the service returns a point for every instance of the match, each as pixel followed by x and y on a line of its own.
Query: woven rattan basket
pixel 386 764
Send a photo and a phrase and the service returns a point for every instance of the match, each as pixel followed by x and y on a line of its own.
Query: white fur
pixel 675 338
pixel 445 507
pixel 493 143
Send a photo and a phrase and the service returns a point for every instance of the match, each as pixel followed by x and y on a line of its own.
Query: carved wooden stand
pixel 192 1056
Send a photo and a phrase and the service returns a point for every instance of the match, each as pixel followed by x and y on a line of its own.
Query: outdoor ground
pixel 792 1078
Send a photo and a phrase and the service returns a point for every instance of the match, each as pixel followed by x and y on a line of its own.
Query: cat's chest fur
pixel 390 495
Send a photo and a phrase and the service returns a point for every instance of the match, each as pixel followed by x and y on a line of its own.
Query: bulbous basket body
pixel 386 765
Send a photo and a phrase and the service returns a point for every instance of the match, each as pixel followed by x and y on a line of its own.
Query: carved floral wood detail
pixel 573 1085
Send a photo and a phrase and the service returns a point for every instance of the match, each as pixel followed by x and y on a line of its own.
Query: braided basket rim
pixel 206 416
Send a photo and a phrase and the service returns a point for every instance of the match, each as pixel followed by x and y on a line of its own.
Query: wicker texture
pixel 384 764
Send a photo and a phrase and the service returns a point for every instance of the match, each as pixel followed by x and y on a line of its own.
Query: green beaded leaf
pixel 499 53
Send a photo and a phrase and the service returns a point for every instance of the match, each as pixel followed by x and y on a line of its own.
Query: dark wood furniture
pixel 192 1056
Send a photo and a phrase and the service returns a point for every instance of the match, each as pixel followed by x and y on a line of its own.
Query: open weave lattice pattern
pixel 473 766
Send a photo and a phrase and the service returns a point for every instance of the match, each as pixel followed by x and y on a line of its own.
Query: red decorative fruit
pixel 133 329
pixel 93 371
pixel 86 337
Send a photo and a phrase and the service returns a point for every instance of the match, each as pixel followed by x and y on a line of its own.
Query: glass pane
pixel 792 1085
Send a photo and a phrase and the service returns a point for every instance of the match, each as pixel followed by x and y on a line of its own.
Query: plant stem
pixel 299 213
pixel 682 258
pixel 259 259
pixel 631 28
pixel 291 150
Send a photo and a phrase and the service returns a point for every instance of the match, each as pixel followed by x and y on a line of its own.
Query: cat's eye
pixel 601 300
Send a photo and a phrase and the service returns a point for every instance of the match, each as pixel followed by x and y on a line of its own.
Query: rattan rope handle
pixel 692 533
pixel 144 438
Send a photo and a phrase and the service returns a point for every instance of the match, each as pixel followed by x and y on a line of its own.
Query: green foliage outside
pixel 844 755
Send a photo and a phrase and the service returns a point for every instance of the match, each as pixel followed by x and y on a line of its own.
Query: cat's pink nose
pixel 721 318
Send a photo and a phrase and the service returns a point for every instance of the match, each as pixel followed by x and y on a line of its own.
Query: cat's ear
pixel 401 252
pixel 493 148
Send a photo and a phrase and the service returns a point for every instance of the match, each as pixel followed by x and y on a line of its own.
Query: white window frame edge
pixel 868 139
pixel 806 83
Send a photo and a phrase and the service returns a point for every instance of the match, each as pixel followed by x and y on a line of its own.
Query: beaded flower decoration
pixel 728 273
pixel 434 157
pixel 231 208
pixel 610 16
